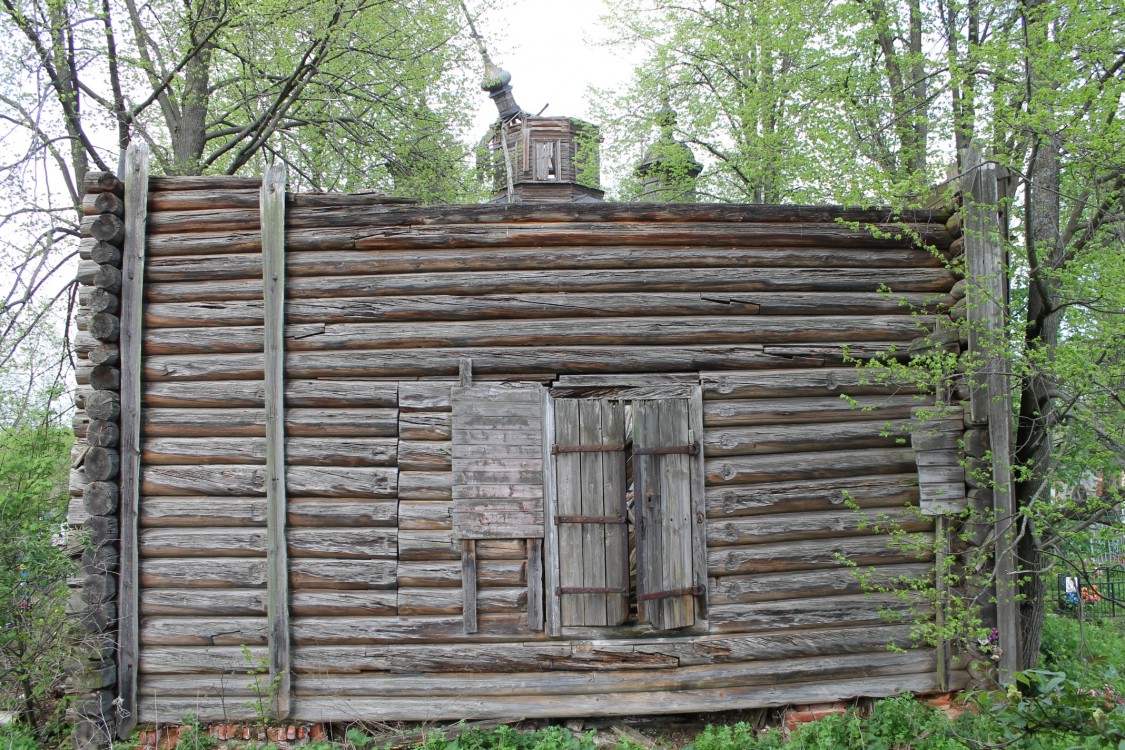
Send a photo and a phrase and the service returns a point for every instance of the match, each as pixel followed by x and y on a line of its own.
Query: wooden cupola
pixel 528 158
pixel 668 172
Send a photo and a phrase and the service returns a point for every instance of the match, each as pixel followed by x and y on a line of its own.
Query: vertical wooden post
pixel 535 584
pixel 273 269
pixel 469 584
pixel 941 565
pixel 132 288
pixel 552 601
pixel 987 294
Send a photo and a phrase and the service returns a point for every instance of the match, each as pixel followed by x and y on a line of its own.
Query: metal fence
pixel 1102 595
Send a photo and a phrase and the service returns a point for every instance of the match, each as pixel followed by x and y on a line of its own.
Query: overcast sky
pixel 549 47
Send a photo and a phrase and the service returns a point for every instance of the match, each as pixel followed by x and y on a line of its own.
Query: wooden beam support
pixel 277 569
pixel 991 401
pixel 469 584
pixel 136 201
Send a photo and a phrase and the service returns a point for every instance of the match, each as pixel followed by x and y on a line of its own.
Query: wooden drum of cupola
pixel 550 158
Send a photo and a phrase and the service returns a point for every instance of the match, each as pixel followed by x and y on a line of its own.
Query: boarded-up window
pixel 498 461
pixel 591 521
pixel 593 529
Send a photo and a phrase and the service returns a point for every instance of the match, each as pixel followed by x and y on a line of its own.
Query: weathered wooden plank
pixel 133 262
pixel 508 361
pixel 539 306
pixel 239 480
pixel 801 437
pixel 298 450
pixel 203 631
pixel 762 411
pixel 309 422
pixel 710 280
pixel 664 509
pixel 813 495
pixel 777 329
pixel 797 585
pixel 816 554
pixel 298 393
pixel 812 465
pixel 819 525
pixel 828 611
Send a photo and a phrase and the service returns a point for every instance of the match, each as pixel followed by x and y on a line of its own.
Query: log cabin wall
pixel 390 308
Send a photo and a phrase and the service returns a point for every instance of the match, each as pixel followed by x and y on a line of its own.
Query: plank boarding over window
pixel 598 543
pixel 498 461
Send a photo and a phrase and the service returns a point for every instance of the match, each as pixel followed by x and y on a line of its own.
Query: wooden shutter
pixel 593 539
pixel 498 461
pixel 664 451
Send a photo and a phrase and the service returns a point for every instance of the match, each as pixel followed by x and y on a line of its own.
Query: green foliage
pixel 35 632
pixel 264 686
pixel 193 736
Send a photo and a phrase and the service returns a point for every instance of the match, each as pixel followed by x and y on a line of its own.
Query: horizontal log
pixel 302 451
pixel 853 381
pixel 103 182
pixel 566 683
pixel 813 465
pixel 424 515
pixel 108 278
pixel 763 411
pixel 792 438
pixel 102 464
pixel 330 603
pixel 337 543
pixel 425 426
pixel 813 495
pixel 107 228
pixel 539 306
pixel 104 327
pixel 440 544
pixel 201 631
pixel 244 422
pixel 431 601
pixel 480 707
pixel 105 378
pixel 106 254
pixel 298 394
pixel 304 512
pixel 508 361
pixel 490 573
pixel 425 455
pixel 431 486
pixel 200 204
pixel 210 183
pixel 827 611
pixel 320 573
pixel 817 554
pixel 103 354
pixel 234 479
pixel 711 280
pixel 204 603
pixel 102 203
pixel 647 653
pixel 101 300
pixel 530 333
pixel 200 267
pixel 100 498
pixel 779 527
pixel 815 583
pixel 219 573
pixel 200 232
